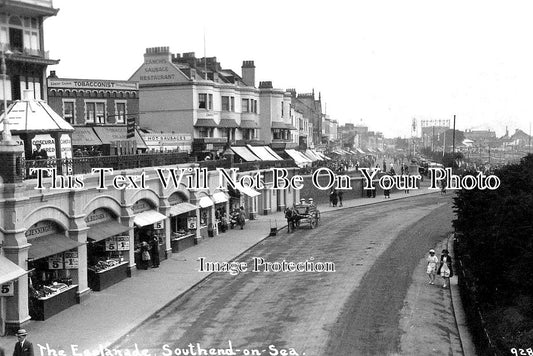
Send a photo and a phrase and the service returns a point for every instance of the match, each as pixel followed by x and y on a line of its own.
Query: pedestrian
pixel 445 268
pixel 242 218
pixel 145 255
pixel 339 195
pixel 154 250
pixel 431 268
pixel 23 347
pixel 333 197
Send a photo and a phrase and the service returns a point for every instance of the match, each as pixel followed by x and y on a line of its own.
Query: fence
pixel 84 165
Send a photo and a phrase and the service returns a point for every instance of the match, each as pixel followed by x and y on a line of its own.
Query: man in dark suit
pixel 23 347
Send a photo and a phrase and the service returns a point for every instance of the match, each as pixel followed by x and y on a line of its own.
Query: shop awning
pixel 181 208
pixel 205 123
pixel 278 125
pixel 271 151
pixel 9 270
pixel 245 154
pixel 85 136
pixel 50 245
pixel 107 134
pixel 262 153
pixel 220 197
pixel 249 124
pixel 228 123
pixel 248 191
pixel 360 151
pixel 102 231
pixel 205 202
pixel 148 217
pixel 300 160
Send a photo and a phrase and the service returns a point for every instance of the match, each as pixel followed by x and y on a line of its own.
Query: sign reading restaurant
pixel 91 84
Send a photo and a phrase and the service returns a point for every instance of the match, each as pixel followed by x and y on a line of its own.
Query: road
pixel 352 311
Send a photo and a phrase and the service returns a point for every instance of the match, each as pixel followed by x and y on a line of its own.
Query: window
pixel 202 101
pixel 120 112
pixel 205 101
pixel 68 111
pixel 100 113
pixel 228 103
pixel 245 105
pixel 225 103
pixel 95 112
pixel 253 106
pixel 90 109
pixel 205 132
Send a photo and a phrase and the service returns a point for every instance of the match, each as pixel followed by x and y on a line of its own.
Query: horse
pixel 292 217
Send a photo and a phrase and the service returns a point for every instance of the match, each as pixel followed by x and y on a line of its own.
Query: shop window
pixel 95 112
pixel 205 132
pixel 90 109
pixel 204 217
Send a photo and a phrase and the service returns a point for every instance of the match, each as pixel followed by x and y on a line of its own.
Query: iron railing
pixel 84 165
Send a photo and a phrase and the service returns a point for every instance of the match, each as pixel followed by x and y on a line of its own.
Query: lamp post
pixel 6 133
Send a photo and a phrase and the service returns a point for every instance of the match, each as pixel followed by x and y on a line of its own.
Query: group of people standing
pixel 149 249
pixel 444 268
pixel 335 197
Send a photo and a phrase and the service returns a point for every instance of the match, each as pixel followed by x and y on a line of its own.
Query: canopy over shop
pixel 183 222
pixel 107 249
pixel 53 262
pixel 149 231
pixel 34 125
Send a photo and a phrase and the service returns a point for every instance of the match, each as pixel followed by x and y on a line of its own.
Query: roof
pixel 115 133
pixel 278 125
pixel 32 115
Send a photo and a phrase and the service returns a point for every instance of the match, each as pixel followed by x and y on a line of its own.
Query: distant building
pixel 22 39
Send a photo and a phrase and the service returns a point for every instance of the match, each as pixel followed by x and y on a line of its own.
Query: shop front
pixel 221 201
pixel 108 243
pixel 183 225
pixel 149 234
pixel 9 272
pixel 53 270
pixel 205 205
pixel 249 200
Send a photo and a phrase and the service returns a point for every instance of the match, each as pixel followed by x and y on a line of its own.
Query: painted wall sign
pixel 98 216
pixel 141 205
pixel 42 228
pixel 91 84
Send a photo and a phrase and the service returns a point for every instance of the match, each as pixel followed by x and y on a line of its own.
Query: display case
pixel 107 273
pixel 182 239
pixel 48 300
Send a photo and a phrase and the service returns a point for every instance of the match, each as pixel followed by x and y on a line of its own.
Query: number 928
pixel 522 352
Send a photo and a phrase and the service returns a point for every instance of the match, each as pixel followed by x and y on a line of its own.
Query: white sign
pixel 47 142
pixel 191 222
pixel 55 262
pixel 7 290
pixel 71 259
pixel 111 244
pixel 159 225
pixel 91 84
pixel 123 243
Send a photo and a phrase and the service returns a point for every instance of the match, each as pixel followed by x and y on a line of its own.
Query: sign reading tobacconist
pixel 91 84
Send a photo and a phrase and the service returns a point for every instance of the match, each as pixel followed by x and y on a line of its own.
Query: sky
pixel 382 63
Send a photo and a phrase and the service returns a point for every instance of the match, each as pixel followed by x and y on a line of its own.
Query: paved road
pixel 352 311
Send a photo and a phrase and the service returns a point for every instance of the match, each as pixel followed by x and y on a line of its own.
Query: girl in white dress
pixel 431 268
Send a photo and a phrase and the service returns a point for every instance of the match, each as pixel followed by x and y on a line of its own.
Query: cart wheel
pixel 312 223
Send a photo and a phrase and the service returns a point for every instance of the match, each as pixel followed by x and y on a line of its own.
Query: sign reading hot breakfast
pixel 91 84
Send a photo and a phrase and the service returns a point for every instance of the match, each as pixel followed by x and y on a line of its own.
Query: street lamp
pixel 6 133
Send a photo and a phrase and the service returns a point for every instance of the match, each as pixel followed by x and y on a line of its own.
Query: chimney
pixel 248 73
pixel 265 85
pixel 52 74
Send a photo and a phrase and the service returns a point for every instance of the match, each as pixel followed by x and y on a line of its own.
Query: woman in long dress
pixel 445 268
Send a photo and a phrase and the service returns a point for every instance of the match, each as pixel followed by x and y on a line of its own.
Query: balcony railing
pixel 25 51
pixel 84 165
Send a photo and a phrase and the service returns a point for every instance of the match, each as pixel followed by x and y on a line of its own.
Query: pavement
pixel 106 316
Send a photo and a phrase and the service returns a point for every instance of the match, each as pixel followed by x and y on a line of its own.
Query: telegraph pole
pixel 453 143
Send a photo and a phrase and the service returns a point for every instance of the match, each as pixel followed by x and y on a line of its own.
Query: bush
pixel 497 242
